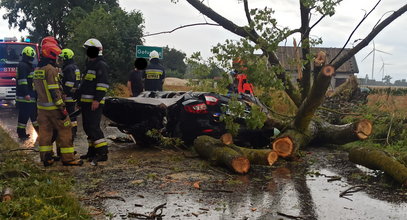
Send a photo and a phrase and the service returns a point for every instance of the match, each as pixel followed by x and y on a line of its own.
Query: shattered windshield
pixel 11 53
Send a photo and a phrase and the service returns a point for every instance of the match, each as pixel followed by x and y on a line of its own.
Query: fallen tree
pixel 379 160
pixel 236 158
pixel 263 32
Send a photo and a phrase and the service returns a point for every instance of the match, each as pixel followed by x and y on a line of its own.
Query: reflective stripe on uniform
pixel 53 86
pixel 22 99
pixel 22 82
pixel 101 144
pixel 59 102
pixel 46 90
pixel 69 99
pixel 35 123
pixel 45 148
pixel 67 150
pixel 87 98
pixel 46 106
pixel 21 125
pixel 69 84
pixel 31 75
pixel 74 123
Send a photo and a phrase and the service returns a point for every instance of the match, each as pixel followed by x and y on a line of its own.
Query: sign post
pixel 144 51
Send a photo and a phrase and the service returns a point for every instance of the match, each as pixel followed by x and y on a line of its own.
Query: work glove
pixel 64 114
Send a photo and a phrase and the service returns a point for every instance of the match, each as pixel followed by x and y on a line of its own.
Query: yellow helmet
pixel 28 51
pixel 66 54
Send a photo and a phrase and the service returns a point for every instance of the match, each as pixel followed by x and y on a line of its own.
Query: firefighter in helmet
pixel 91 95
pixel 52 113
pixel 154 74
pixel 70 79
pixel 26 96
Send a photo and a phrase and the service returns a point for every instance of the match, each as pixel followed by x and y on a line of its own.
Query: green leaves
pixel 118 30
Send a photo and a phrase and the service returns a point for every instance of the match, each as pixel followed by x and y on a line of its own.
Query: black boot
pixel 21 133
pixel 89 155
pixel 48 160
pixel 101 155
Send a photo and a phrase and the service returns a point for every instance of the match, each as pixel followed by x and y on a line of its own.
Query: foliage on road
pixel 38 193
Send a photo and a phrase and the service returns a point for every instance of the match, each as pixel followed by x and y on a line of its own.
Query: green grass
pixel 42 194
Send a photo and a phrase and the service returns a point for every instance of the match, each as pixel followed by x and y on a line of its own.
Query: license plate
pixel 8 69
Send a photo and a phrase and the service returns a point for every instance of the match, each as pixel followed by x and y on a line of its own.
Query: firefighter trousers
pixel 91 126
pixel 26 111
pixel 50 120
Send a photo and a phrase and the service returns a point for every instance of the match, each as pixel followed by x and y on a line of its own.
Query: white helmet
pixel 154 54
pixel 93 42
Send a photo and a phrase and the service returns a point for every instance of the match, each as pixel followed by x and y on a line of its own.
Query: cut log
pixel 347 89
pixel 379 160
pixel 342 134
pixel 283 146
pixel 214 150
pixel 227 139
pixel 7 194
pixel 258 156
pixel 320 132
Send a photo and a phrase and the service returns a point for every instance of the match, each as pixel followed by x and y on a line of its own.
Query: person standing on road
pixel 70 80
pixel 135 82
pixel 155 74
pixel 92 91
pixel 25 94
pixel 52 114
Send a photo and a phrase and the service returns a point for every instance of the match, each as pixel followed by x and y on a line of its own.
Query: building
pixel 287 57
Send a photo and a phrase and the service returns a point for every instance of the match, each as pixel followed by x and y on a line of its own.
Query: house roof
pixel 286 56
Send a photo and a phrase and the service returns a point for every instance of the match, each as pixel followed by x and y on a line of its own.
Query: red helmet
pixel 50 51
pixel 49 39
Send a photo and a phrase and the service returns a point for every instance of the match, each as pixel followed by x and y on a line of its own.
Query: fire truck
pixel 10 55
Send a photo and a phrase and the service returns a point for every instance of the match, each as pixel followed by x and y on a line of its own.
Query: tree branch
pixel 180 27
pixel 354 30
pixel 370 36
pixel 246 9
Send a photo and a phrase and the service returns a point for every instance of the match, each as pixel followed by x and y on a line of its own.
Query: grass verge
pixel 38 193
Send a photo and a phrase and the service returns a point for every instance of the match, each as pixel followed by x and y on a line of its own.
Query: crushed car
pixel 184 115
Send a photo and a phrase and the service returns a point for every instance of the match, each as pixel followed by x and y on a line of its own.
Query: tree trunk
pixel 258 156
pixel 379 160
pixel 214 150
pixel 321 132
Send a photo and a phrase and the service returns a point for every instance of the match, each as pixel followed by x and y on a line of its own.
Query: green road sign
pixel 144 51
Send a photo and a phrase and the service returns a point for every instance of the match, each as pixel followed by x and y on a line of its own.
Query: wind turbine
pixel 382 68
pixel 373 52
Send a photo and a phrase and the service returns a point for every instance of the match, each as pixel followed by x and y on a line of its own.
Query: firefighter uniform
pixel 52 115
pixel 154 74
pixel 70 80
pixel 27 108
pixel 94 86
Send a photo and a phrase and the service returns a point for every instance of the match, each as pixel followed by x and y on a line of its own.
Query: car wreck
pixel 184 115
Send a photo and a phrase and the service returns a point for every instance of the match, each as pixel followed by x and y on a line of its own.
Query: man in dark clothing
pixel 70 80
pixel 155 74
pixel 92 91
pixel 26 96
pixel 135 82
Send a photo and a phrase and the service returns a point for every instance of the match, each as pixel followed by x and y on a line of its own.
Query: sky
pixel 162 15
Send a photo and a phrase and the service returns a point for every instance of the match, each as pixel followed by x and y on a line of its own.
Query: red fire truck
pixel 10 55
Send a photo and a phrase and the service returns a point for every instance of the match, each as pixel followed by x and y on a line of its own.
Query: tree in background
pixel 173 62
pixel 118 30
pixel 44 18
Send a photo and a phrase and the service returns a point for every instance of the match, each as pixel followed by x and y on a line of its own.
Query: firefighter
pixel 154 74
pixel 52 114
pixel 91 94
pixel 25 95
pixel 70 79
